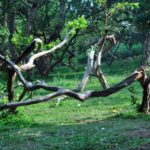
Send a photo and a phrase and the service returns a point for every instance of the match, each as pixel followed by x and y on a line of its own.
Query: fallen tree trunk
pixel 93 68
pixel 36 46
pixel 138 75
pixel 79 96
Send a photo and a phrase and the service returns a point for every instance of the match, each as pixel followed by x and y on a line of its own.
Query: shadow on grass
pixel 116 132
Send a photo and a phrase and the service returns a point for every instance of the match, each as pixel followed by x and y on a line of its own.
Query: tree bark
pixel 11 73
pixel 145 105
pixel 146 51
pixel 58 91
pixel 102 79
pixel 87 73
pixel 62 11
pixel 11 27
pixel 31 16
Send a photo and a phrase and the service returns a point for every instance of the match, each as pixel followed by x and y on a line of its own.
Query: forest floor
pixel 110 123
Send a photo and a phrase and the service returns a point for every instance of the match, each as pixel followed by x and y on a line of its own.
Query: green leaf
pixel 80 23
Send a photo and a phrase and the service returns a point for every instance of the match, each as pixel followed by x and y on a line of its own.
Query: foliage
pixel 134 98
pixel 102 2
pixel 4 33
pixel 142 19
pixel 50 45
pixel 108 123
pixel 50 21
pixel 77 24
pixel 123 7
pixel 70 125
pixel 72 26
pixel 20 40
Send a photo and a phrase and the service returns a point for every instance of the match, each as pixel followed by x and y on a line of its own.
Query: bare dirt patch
pixel 143 147
pixel 139 133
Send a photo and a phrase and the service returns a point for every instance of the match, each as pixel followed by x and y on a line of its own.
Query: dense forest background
pixel 22 21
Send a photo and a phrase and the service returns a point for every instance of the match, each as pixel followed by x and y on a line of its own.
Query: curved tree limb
pixel 79 96
pixel 30 63
pixel 58 91
pixel 94 62
pixel 11 73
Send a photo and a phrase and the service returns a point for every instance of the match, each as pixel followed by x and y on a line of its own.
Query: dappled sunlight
pixel 114 132
pixel 74 75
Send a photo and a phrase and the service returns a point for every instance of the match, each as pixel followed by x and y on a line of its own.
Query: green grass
pixel 135 51
pixel 110 123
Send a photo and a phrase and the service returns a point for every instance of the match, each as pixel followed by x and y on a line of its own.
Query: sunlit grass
pixel 99 123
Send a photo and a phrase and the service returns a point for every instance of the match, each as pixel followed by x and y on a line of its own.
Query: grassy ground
pixel 100 124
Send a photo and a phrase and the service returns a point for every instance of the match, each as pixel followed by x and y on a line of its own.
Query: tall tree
pixel 143 24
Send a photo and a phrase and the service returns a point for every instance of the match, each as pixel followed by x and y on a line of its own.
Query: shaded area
pixel 118 132
pixel 106 123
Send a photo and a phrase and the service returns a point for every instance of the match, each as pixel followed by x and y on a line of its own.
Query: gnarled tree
pixel 138 75
pixel 14 69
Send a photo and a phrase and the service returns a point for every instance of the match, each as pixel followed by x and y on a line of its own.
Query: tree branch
pixel 30 63
pixel 58 91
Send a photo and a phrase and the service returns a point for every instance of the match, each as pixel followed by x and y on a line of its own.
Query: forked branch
pixel 58 91
pixel 30 63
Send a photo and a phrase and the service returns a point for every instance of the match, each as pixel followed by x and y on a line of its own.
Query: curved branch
pixel 29 49
pixel 30 63
pixel 137 75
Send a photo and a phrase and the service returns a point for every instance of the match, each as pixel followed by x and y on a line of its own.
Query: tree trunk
pixel 102 79
pixel 11 27
pixel 87 73
pixel 146 51
pixel 145 105
pixel 62 11
pixel 31 16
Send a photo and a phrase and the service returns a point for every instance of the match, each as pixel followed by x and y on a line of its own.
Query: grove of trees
pixel 38 36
